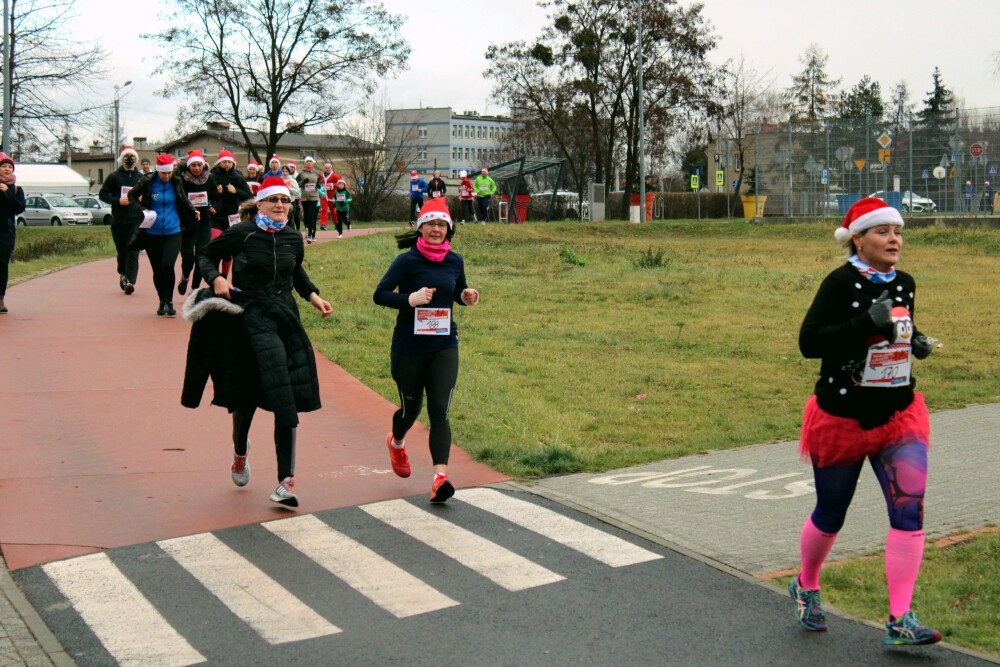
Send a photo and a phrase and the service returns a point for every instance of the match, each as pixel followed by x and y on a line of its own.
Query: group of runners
pixel 247 337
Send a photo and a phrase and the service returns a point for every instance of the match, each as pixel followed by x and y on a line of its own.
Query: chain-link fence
pixel 944 165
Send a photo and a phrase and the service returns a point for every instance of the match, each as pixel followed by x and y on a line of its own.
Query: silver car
pixel 100 212
pixel 52 210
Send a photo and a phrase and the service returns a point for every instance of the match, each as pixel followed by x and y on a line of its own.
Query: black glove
pixel 881 310
pixel 922 346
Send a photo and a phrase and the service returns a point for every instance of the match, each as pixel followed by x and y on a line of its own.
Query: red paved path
pixel 97 452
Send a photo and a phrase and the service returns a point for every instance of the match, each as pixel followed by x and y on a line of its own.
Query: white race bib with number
pixel 889 364
pixel 432 321
pixel 125 189
pixel 233 219
pixel 341 196
pixel 198 199
pixel 309 187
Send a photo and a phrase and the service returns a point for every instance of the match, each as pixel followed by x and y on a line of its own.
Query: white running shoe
pixel 284 494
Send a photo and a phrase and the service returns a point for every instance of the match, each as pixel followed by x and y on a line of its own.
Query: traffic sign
pixel 824 176
pixel 925 175
pixel 976 150
pixel 885 156
pixel 860 164
pixel 993 169
pixel 735 183
pixel 720 178
pixel 694 181
pixel 884 140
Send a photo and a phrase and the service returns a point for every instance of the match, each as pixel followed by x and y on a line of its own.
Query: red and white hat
pixel 226 155
pixel 164 162
pixel 196 156
pixel 274 158
pixel 413 174
pixel 435 209
pixel 273 185
pixel 291 165
pixel 127 150
pixel 252 165
pixel 865 214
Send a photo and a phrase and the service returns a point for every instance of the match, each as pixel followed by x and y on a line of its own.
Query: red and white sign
pixel 976 150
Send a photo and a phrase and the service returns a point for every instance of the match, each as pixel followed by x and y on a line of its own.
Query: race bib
pixel 435 194
pixel 233 219
pixel 432 321
pixel 341 196
pixel 889 364
pixel 414 188
pixel 125 189
pixel 199 199
pixel 309 187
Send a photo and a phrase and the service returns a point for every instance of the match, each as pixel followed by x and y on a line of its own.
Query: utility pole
pixel 642 134
pixel 6 77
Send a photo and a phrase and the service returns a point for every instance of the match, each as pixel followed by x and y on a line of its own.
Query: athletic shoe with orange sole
pixel 441 489
pixel 397 458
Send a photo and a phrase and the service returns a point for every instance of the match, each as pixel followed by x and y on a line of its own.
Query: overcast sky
pixel 889 40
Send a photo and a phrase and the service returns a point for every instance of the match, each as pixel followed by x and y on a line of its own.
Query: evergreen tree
pixel 937 118
pixel 863 102
pixel 812 91
pixel 900 107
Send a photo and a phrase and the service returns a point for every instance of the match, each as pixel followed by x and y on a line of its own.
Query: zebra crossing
pixel 131 629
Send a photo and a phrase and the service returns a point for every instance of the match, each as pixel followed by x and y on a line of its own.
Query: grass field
pixel 598 346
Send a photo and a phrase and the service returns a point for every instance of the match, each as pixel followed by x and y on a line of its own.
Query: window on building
pixel 422 154
pixel 422 132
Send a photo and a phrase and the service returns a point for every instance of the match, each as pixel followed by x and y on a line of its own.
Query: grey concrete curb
pixel 43 639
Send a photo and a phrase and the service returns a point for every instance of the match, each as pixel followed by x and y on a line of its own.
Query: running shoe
pixel 810 608
pixel 168 308
pixel 240 469
pixel 441 489
pixel 162 310
pixel 907 630
pixel 122 282
pixel 284 494
pixel 129 287
pixel 182 286
pixel 397 458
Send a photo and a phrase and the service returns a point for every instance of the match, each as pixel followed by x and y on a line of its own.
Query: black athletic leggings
pixel 195 237
pixel 284 441
pixel 436 374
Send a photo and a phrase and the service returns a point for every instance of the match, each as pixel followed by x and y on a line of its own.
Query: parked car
pixel 99 211
pixel 52 210
pixel 918 203
pixel 828 205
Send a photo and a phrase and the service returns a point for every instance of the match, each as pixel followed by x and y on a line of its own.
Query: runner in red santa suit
pixel 327 211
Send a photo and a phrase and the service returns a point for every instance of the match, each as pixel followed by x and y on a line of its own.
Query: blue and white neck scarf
pixel 871 274
pixel 269 225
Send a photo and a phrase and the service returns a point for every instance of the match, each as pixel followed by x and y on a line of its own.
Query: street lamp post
pixel 115 138
pixel 5 142
pixel 642 122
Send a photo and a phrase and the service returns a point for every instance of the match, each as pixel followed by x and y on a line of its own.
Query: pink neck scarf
pixel 435 253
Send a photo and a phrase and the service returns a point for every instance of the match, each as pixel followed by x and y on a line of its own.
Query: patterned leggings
pixel 902 473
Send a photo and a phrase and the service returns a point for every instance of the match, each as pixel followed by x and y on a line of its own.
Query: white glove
pixel 421 297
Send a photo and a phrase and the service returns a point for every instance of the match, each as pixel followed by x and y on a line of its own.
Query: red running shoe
pixel 441 489
pixel 398 458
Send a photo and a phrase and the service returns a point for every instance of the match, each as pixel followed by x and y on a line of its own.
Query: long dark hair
pixel 408 239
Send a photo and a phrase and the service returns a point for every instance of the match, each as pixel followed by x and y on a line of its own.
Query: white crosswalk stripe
pixel 388 586
pixel 595 543
pixel 497 564
pixel 262 603
pixel 130 628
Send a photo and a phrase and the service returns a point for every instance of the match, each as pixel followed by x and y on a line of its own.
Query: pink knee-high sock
pixel 815 546
pixel 904 551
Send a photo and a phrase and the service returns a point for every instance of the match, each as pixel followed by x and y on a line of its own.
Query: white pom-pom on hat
pixel 864 214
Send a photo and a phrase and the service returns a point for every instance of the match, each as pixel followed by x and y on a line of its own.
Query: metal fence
pixel 947 167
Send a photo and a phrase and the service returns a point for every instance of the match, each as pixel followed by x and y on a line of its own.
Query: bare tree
pixel 50 71
pixel 277 66
pixel 746 94
pixel 811 95
pixel 376 158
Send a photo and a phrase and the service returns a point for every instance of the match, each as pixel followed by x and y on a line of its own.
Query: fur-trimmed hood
pixel 203 301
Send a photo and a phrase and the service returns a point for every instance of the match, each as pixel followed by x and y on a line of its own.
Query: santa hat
pixel 226 155
pixel 252 165
pixel 342 181
pixel 485 170
pixel 310 159
pixel 328 166
pixel 274 158
pixel 463 173
pixel 292 165
pixel 196 156
pixel 435 209
pixel 864 214
pixel 127 150
pixel 413 174
pixel 272 185
pixel 164 162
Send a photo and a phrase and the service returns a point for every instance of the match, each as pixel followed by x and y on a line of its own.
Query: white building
pixel 438 138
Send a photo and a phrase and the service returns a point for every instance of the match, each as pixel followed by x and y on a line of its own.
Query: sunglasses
pixel 277 200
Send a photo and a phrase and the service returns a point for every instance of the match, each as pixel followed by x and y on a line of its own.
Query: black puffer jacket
pixel 271 364
pixel 224 202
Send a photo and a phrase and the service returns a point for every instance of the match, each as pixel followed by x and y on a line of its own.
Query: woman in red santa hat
pixel 255 347
pixel 199 187
pixel 423 284
pixel 861 325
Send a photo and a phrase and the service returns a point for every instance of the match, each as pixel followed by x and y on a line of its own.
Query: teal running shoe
pixel 810 608
pixel 907 630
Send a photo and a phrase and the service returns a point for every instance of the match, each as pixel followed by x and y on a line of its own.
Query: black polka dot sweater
pixel 839 330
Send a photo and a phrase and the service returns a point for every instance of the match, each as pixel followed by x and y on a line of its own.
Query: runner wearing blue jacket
pixel 418 188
